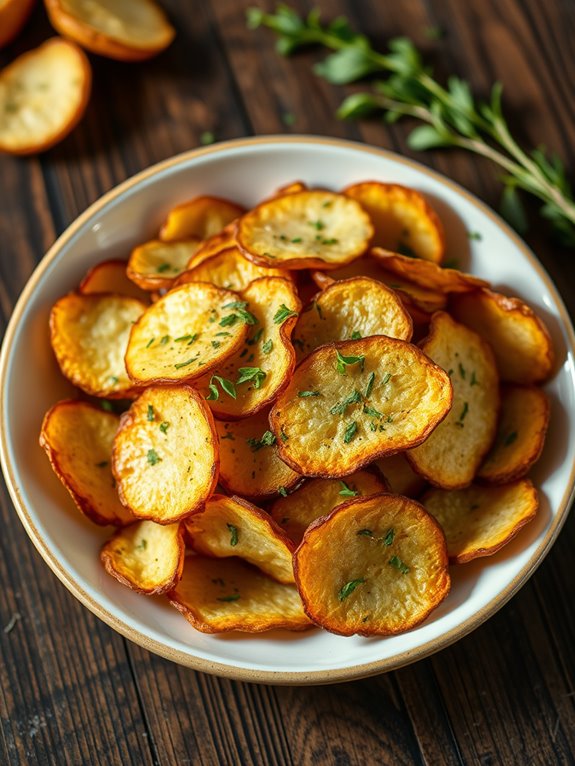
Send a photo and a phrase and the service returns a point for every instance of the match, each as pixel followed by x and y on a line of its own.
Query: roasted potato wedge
pixel 110 277
pixel 146 556
pixel 249 462
pixel 165 456
pixel 155 264
pixel 261 369
pixel 427 273
pixel 89 335
pixel 403 221
pixel 519 338
pixel 479 521
pixel 217 596
pixel 228 269
pixel 352 402
pixel 230 526
pixel 351 308
pixel 199 218
pixel 374 567
pixel 307 229
pixel 185 334
pixel 452 454
pixel 318 497
pixel 78 439
pixel 523 422
pixel 13 15
pixel 400 476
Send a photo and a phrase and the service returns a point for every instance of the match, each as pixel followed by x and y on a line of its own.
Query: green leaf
pixel 426 137
pixel 347 491
pixel 233 534
pixel 346 65
pixel 283 313
pixel 404 57
pixel 349 587
pixel 512 209
pixel 254 374
pixel 346 361
pixel 358 105
pixel 254 17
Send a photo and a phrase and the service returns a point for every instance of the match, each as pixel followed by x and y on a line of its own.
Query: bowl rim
pixel 328 676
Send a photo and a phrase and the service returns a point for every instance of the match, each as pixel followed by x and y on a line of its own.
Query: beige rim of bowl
pixel 349 673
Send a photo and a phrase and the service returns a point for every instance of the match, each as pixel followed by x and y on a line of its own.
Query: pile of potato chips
pixel 317 416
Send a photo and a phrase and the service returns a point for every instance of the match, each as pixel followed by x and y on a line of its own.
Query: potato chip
pixel 13 15
pixel 146 556
pixel 199 218
pixel 291 188
pixel 249 462
pixel 228 269
pixel 479 521
pixel 89 335
pixel 165 456
pixel 126 30
pixel 155 264
pixel 523 422
pixel 230 526
pixel 110 277
pixel 352 308
pixel 217 596
pixel 186 333
pixel 451 455
pixel 427 273
pixel 520 341
pixel 261 369
pixel 318 497
pixel 400 476
pixel 43 96
pixel 308 229
pixel 374 567
pixel 351 402
pixel 213 245
pixel 78 438
pixel 403 220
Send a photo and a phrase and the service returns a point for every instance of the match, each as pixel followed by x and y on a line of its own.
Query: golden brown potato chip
pixel 165 457
pixel 249 462
pixel 451 455
pixel 351 309
pixel 523 422
pixel 13 15
pixel 427 273
pixel 400 476
pixel 308 229
pixel 479 521
pixel 318 497
pixel 374 567
pixel 213 245
pixel 254 375
pixel 89 335
pixel 228 269
pixel 146 556
pixel 199 218
pixel 155 264
pixel 110 277
pixel 230 526
pixel 402 219
pixel 351 402
pixel 217 595
pixel 186 333
pixel 43 96
pixel 78 438
pixel 126 30
pixel 520 341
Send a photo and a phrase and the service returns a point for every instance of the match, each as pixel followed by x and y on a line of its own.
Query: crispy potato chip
pixel 78 438
pixel 126 30
pixel 155 264
pixel 110 277
pixel 308 229
pixel 374 567
pixel 523 422
pixel 146 556
pixel 199 218
pixel 217 596
pixel 319 497
pixel 479 521
pixel 165 457
pixel 427 273
pixel 351 402
pixel 89 335
pixel 43 96
pixel 13 15
pixel 352 308
pixel 255 375
pixel 400 476
pixel 451 455
pixel 402 219
pixel 249 462
pixel 228 269
pixel 213 245
pixel 520 341
pixel 291 188
pixel 186 333
pixel 230 526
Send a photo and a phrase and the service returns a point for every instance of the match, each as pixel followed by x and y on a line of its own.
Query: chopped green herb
pixel 288 119
pixel 462 370
pixel 283 313
pixel 267 346
pixel 372 412
pixel 257 336
pixel 226 385
pixel 305 394
pixel 346 361
pixel 149 343
pixel 233 534
pixel 327 203
pixel 224 334
pixel 510 439
pixel 319 225
pixel 476 235
pixel 396 562
pixel 340 407
pixel 369 387
pixel 356 335
pixel 114 379
pixel 142 545
pixel 207 138
pixel 106 405
pixel 464 412
pixel 349 432
pixel 153 457
pixel 386 378
pixel 163 267
pixel 283 436
pixel 473 381
pixel 267 440
pixel 318 309
pixel 102 464
pixel 232 597
pixel 349 587
pixel 389 536
pixel 150 416
pixel 331 241
pixel 373 426
pixel 364 532
pixel 253 374
pixel 189 338
pixel 164 427
pixel 216 344
pixel 296 240
pixel 283 491
pixel 347 491
pixel 189 361
pixel 164 339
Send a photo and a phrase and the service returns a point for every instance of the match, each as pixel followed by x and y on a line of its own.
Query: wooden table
pixel 73 691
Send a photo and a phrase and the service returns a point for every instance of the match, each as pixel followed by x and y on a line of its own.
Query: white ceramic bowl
pixel 246 171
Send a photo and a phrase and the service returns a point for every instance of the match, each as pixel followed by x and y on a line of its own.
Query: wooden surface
pixel 74 692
